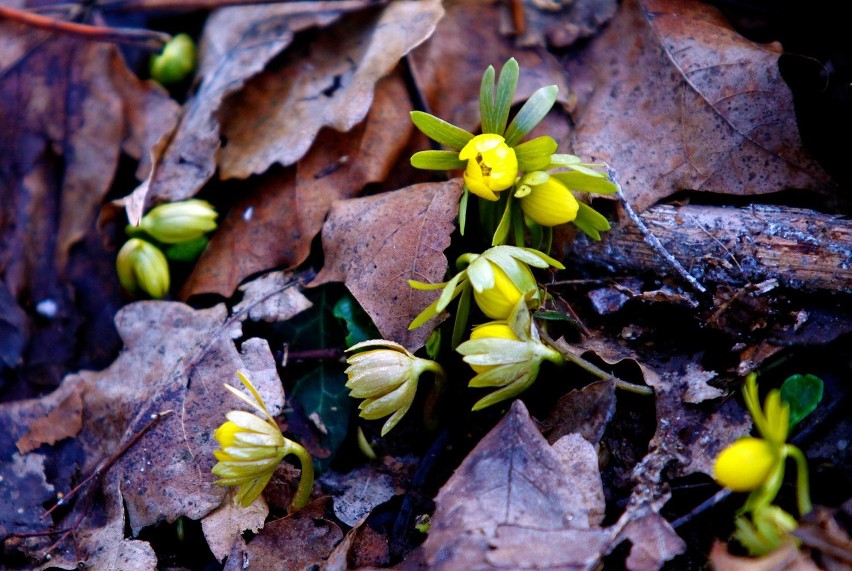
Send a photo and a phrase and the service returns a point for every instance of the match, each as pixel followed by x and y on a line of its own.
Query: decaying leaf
pixel 272 297
pixel 276 117
pixel 358 492
pixel 513 491
pixel 558 23
pixel 237 44
pixel 175 359
pixel 224 526
pixel 684 102
pixel 376 244
pixel 64 421
pixel 22 481
pixel 277 220
pixel 785 558
pixel 585 411
pixel 654 542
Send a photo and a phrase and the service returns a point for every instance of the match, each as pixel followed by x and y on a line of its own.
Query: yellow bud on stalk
pixel 177 222
pixel 549 202
pixel 142 266
pixel 746 464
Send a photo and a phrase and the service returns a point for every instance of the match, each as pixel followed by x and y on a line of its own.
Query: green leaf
pixel 463 209
pixel 564 160
pixel 802 393
pixel 445 133
pixel 502 231
pixel 584 183
pixel 506 86
pixel 358 324
pixel 437 160
pixel 591 222
pixel 324 398
pixel 533 111
pixel 187 251
pixel 535 154
pixel 462 314
pixel 486 102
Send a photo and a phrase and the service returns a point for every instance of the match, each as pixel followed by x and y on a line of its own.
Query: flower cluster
pixel 175 231
pixel 252 446
pixel 757 465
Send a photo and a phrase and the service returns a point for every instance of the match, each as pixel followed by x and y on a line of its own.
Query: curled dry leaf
pixel 276 117
pixel 376 244
pixel 223 527
pixel 654 542
pixel 682 101
pixel 276 222
pixel 237 43
pixel 175 358
pixel 585 411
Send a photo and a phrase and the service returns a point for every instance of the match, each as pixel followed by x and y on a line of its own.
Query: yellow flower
pixel 141 265
pixel 546 200
pixel 251 449
pixel 386 379
pixel 496 329
pixel 746 464
pixel 180 221
pixel 491 165
pixel 498 300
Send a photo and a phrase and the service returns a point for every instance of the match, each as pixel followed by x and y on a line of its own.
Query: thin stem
pixel 803 493
pixel 331 353
pixel 147 39
pixel 652 240
pixel 306 480
pixel 430 406
pixel 600 373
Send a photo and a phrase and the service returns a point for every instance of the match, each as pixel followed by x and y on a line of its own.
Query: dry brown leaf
pixel 223 527
pixel 376 244
pixel 302 540
pixel 356 493
pixel 654 542
pixel 22 481
pixel 448 70
pixel 276 117
pixel 513 491
pixel 577 454
pixel 682 101
pixel 560 23
pixel 64 421
pixel 237 43
pixel 176 359
pixel 585 411
pixel 276 222
pixel 272 297
pixel 786 558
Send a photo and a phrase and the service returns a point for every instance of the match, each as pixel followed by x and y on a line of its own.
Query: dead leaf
pixel 376 244
pixel 64 421
pixel 23 483
pixel 822 530
pixel 237 43
pixel 358 492
pixel 452 91
pixel 654 542
pixel 272 297
pixel 684 102
pixel 585 411
pixel 578 455
pixel 276 117
pixel 276 222
pixel 224 526
pixel 786 558
pixel 560 23
pixel 175 358
pixel 302 540
pixel 513 491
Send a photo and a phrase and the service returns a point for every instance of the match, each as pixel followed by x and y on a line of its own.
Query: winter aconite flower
pixel 491 165
pixel 499 277
pixel 507 356
pixel 746 464
pixel 142 266
pixel 252 447
pixel 386 378
pixel 180 221
pixel 546 200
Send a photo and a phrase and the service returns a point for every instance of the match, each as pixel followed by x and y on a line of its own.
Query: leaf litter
pixel 299 182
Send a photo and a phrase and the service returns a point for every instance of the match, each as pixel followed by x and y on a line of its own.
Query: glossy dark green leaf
pixel 358 324
pixel 322 394
pixel 802 393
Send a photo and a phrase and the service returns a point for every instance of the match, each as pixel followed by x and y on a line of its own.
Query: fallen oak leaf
pixel 681 101
pixel 276 117
pixel 377 243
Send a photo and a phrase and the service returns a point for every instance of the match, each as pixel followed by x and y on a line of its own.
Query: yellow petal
pixel 746 464
pixel 498 329
pixel 225 434
pixel 498 301
pixel 550 204
pixel 475 183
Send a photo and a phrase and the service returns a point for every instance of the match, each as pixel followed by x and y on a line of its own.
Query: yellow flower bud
pixel 491 165
pixel 496 329
pixel 180 221
pixel 141 265
pixel 746 464
pixel 175 62
pixel 251 449
pixel 498 301
pixel 548 202
pixel 386 379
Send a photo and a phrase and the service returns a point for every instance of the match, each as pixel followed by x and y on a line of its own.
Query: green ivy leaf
pixel 802 393
pixel 358 324
pixel 437 160
pixel 321 391
pixel 445 133
pixel 531 114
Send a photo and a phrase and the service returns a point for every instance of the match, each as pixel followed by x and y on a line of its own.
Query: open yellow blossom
pixel 491 165
pixel 546 200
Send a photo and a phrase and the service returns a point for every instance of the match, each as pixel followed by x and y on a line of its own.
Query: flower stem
pixel 430 405
pixel 803 494
pixel 306 480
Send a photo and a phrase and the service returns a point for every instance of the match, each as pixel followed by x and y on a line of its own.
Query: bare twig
pixel 147 39
pixel 652 240
pixel 307 7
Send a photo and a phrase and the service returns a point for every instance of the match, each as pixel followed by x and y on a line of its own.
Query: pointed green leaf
pixel 506 86
pixel 802 393
pixel 423 286
pixel 590 221
pixel 533 111
pixel 463 209
pixel 437 160
pixel 535 154
pixel 486 102
pixel 445 133
pixel 587 170
pixel 502 231
pixel 564 160
pixel 462 314
pixel 583 183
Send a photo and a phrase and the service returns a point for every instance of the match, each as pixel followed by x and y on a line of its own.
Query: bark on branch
pixel 801 248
